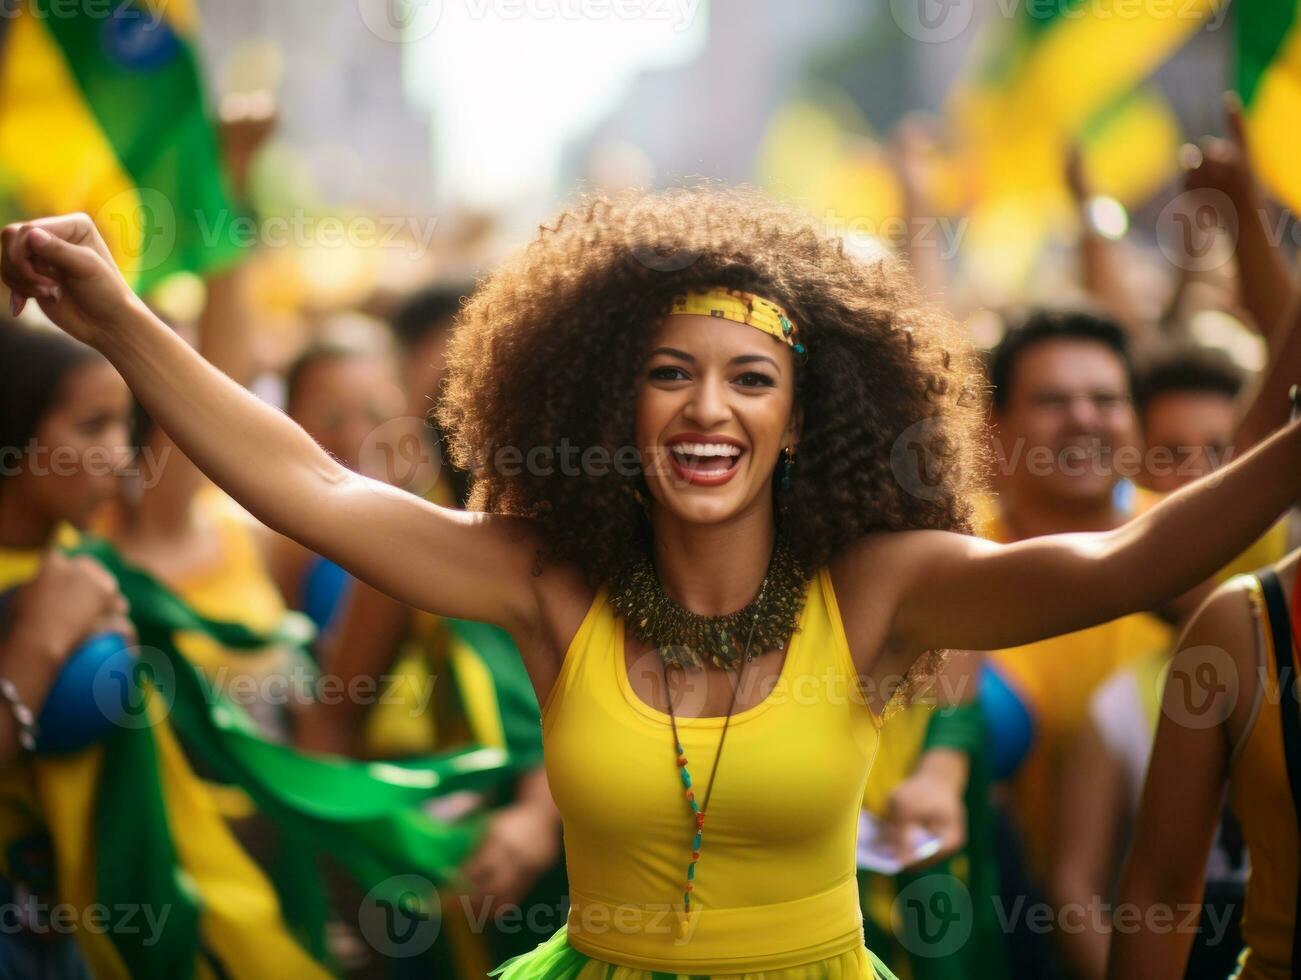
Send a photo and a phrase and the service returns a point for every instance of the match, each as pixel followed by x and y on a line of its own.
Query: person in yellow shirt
pixel 1062 418
pixel 1188 404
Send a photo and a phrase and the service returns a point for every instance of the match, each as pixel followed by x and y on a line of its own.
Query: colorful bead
pixel 686 778
pixel 700 820
pixel 695 807
pixel 682 760
pixel 695 844
pixel 695 855
pixel 690 795
pixel 690 887
pixel 691 871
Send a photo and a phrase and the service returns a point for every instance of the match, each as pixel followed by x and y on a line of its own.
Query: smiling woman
pixel 580 318
pixel 806 431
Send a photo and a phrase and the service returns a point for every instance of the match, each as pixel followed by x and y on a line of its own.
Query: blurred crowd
pixel 1027 766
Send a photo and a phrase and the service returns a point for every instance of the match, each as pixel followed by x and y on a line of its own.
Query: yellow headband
pixel 740 307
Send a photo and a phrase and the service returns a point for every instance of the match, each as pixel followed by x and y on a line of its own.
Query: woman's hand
pixel 70 599
pixel 930 802
pixel 521 842
pixel 65 266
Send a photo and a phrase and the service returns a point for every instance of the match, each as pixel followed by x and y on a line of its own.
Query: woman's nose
pixel 708 406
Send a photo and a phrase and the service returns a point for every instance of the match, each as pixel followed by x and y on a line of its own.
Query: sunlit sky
pixel 509 83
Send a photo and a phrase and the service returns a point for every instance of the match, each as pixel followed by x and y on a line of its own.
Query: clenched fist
pixel 63 264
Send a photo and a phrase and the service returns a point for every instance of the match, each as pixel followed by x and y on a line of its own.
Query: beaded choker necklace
pixel 681 636
pixel 685 638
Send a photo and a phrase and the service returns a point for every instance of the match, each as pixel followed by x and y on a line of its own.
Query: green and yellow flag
pixel 1268 80
pixel 131 826
pixel 1064 72
pixel 102 111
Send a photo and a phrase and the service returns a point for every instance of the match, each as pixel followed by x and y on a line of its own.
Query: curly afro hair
pixel 548 351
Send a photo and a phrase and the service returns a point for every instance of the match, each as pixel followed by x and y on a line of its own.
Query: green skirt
pixel 555 959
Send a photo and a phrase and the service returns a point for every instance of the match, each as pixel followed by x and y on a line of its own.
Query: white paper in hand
pixel 875 854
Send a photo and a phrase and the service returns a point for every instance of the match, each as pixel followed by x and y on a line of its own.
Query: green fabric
pixel 521 719
pixel 365 815
pixel 555 959
pixel 1264 26
pixel 135 859
pixel 145 92
pixel 961 727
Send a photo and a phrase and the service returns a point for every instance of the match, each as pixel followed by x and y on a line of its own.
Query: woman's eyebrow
pixel 751 358
pixel 739 359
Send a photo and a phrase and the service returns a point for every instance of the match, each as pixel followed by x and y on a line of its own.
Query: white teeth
pixel 706 449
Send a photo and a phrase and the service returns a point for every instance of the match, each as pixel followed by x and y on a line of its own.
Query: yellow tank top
pixel 1262 801
pixel 776 886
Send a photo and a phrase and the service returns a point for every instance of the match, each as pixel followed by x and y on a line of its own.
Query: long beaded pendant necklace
pixel 687 640
pixel 699 810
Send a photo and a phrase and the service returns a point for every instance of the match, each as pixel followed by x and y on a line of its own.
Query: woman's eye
pixel 667 372
pixel 754 379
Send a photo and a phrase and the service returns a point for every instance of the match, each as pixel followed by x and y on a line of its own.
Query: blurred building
pixel 337 71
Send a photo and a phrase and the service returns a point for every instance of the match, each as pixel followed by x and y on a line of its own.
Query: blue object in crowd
pixel 90 696
pixel 324 587
pixel 1009 724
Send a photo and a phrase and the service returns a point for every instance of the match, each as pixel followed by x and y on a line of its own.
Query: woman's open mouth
pixel 706 464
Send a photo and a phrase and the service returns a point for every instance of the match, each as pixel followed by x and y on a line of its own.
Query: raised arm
pixel 472 566
pixel 1182 796
pixel 1265 281
pixel 953 591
